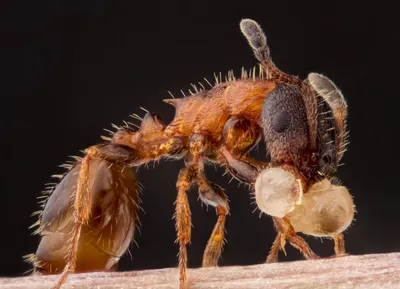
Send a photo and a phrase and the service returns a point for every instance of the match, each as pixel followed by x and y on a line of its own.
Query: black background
pixel 70 69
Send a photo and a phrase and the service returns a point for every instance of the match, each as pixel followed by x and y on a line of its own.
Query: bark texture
pixel 366 271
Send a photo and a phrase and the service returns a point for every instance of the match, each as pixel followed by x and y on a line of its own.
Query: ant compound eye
pixel 281 121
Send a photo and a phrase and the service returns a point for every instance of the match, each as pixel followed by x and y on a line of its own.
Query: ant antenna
pixel 258 42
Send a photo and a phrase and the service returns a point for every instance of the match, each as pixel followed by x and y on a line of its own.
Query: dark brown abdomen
pixel 114 194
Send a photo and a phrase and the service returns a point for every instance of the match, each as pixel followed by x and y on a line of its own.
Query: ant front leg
pixel 287 232
pixel 277 245
pixel 326 210
pixel 339 245
pixel 247 170
pixel 278 192
pixel 243 168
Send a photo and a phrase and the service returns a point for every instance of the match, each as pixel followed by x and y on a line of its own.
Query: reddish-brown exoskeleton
pixel 89 219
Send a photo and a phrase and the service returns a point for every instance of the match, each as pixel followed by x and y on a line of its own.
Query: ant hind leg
pixel 82 205
pixel 183 221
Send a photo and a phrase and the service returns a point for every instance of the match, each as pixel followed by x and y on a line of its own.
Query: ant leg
pixel 198 143
pixel 339 245
pixel 82 205
pixel 278 244
pixel 288 233
pixel 244 168
pixel 212 194
pixel 141 152
pixel 247 171
pixel 183 221
pixel 114 153
pixel 83 198
pixel 299 243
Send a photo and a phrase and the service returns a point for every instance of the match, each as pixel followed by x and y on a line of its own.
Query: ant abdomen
pixel 107 235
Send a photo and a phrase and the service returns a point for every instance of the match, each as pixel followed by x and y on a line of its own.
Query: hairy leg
pixel 287 232
pixel 194 164
pixel 279 244
pixel 339 245
pixel 183 221
pixel 114 153
pixel 246 169
pixel 82 206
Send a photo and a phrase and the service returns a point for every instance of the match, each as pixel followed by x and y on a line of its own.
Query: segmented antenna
pixel 335 99
pixel 329 91
pixel 258 42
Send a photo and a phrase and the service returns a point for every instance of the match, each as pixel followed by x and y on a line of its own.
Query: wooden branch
pixel 366 271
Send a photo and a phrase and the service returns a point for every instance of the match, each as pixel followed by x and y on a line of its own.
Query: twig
pixel 366 271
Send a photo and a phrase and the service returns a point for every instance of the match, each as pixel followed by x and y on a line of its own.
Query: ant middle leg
pixel 187 176
pixel 212 194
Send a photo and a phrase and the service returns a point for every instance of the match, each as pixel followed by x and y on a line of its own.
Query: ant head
pixel 303 121
pixel 284 123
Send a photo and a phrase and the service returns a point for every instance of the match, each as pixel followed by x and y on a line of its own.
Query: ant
pixel 89 219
